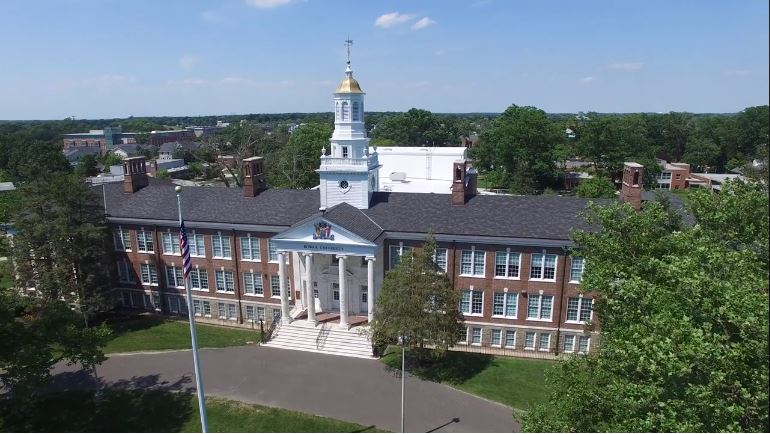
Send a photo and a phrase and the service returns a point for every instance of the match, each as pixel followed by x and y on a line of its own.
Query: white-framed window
pixel 496 338
pixel 199 279
pixel 510 339
pixel 569 343
pixel 275 286
pixel 260 313
pixel 224 281
pixel 272 251
pixel 529 341
pixel 584 342
pixel 250 314
pixel 197 308
pixel 122 239
pixel 125 273
pixel 539 307
pixel 544 343
pixel 576 269
pixel 232 312
pixel 222 310
pixel 177 305
pixel 170 243
pixel 345 151
pixel 126 300
pixel 156 301
pixel 579 309
pixel 149 274
pixel 252 284
pixel 472 302
pixel 144 242
pixel 197 244
pixel 220 246
pixel 543 267
pixel 472 262
pixel 206 308
pixel 345 111
pixel 396 252
pixel 174 277
pixel 440 258
pixel 505 304
pixel 250 249
pixel 475 335
pixel 354 111
pixel 507 264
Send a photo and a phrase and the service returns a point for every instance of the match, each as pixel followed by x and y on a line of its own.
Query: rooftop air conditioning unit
pixel 398 176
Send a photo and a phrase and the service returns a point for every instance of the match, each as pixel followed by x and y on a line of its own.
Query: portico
pixel 335 268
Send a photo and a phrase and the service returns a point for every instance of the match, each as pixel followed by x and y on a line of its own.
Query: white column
pixel 309 277
pixel 370 287
pixel 284 291
pixel 343 294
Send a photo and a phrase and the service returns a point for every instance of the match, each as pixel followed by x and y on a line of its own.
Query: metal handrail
pixel 270 328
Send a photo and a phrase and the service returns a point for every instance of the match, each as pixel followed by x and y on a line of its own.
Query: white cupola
pixel 350 173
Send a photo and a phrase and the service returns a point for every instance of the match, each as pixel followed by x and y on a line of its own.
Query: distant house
pixel 74 155
pixel 167 150
pixel 673 176
pixel 132 150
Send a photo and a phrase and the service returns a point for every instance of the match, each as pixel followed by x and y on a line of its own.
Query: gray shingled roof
pixel 211 204
pixel 543 217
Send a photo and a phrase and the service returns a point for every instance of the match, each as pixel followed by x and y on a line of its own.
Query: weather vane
pixel 348 43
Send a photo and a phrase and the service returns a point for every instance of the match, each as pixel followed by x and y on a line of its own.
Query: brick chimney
pixel 253 176
pixel 463 182
pixel 631 190
pixel 134 174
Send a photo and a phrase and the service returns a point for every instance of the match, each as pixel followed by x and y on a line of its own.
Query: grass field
pixel 151 333
pixel 155 411
pixel 519 383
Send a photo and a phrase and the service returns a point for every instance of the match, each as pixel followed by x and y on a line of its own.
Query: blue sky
pixel 114 58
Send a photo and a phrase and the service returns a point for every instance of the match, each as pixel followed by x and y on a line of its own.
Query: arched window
pixel 338 112
pixel 356 117
pixel 345 113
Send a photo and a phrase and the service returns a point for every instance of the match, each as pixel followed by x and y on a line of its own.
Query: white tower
pixel 350 173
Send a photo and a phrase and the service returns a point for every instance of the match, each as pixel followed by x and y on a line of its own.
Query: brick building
pixel 316 259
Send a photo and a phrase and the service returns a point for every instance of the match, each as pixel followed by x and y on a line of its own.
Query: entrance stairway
pixel 325 337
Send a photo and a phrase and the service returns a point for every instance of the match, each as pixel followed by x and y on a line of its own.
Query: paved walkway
pixel 356 390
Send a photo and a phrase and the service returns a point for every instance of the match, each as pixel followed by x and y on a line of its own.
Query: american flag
pixel 186 263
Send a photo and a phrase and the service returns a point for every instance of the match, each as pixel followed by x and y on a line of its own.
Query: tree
pixel 684 324
pixel 417 301
pixel 87 166
pixel 520 144
pixel 59 250
pixel 608 141
pixel 111 160
pixel 416 127
pixel 298 161
pixel 596 187
pixel 162 174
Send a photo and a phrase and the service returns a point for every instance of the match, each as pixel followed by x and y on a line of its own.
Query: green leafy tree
pixel 596 187
pixel 684 324
pixel 59 250
pixel 416 127
pixel 163 174
pixel 299 159
pixel 608 141
pixel 417 301
pixel 87 166
pixel 111 160
pixel 519 145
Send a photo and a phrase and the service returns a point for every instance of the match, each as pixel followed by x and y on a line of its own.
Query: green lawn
pixel 519 383
pixel 152 333
pixel 155 411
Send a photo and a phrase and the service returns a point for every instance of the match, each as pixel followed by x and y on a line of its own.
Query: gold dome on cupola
pixel 349 84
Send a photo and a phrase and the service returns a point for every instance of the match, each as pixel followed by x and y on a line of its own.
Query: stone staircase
pixel 325 337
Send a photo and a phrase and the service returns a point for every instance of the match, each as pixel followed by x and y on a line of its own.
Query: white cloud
pixel 188 61
pixel 268 4
pixel 392 19
pixel 586 80
pixel 286 83
pixel 423 23
pixel 736 73
pixel 195 81
pixel 242 82
pixel 326 83
pixel 629 66
pixel 109 79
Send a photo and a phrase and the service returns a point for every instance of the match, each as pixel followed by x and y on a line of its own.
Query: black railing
pixel 267 334
pixel 320 340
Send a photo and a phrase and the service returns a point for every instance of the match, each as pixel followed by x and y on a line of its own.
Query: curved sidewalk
pixel 355 390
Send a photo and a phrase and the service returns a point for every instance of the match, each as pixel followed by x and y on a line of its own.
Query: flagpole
pixel 193 335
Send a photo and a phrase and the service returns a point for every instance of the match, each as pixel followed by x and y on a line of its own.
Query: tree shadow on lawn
pixel 124 322
pixel 452 368
pixel 141 404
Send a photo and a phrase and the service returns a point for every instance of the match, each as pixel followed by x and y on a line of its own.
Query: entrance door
pixel 335 296
pixel 364 305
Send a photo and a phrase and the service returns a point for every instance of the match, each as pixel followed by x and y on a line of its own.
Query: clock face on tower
pixel 344 186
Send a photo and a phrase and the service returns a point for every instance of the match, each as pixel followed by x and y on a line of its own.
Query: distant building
pixel 167 150
pixel 105 140
pixel 133 149
pixel 673 176
pixel 417 169
pixel 74 155
pixel 712 181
